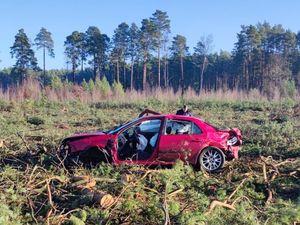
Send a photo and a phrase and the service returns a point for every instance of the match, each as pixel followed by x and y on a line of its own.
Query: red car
pixel 156 140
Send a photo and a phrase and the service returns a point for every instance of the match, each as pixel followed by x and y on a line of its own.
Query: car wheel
pixel 211 159
pixel 94 156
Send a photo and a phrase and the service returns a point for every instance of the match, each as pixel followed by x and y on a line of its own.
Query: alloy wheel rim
pixel 211 160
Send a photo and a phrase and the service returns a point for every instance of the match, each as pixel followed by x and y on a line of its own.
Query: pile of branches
pixel 52 194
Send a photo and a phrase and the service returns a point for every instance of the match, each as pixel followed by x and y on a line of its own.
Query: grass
pixel 31 132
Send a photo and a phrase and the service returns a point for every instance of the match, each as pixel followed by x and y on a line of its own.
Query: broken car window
pixel 178 127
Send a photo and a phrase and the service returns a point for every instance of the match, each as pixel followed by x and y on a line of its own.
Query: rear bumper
pixel 232 152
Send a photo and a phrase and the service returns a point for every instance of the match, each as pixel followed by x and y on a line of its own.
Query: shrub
pixel 35 120
pixel 55 82
pixel 288 89
pixel 103 86
pixel 118 89
pixel 85 85
pixel 91 85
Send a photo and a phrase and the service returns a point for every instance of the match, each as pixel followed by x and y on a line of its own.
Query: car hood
pixel 83 141
pixel 87 134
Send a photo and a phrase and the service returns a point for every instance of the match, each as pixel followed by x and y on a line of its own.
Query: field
pixel 262 187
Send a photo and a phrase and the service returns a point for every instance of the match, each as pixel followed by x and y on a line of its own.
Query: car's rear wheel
pixel 211 159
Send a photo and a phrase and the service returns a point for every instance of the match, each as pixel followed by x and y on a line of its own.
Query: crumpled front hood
pixel 83 141
pixel 87 134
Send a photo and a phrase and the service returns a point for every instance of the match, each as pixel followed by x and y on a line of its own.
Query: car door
pixel 182 139
pixel 150 129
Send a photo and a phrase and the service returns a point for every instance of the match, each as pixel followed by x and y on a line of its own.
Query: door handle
pixel 196 140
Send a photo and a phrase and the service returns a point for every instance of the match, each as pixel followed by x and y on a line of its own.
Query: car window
pixel 196 129
pixel 150 125
pixel 120 127
pixel 178 127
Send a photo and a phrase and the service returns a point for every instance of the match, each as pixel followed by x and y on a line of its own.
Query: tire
pixel 93 156
pixel 211 159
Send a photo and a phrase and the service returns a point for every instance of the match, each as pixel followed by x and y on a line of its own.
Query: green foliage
pixel 174 208
pixel 67 84
pixel 117 89
pixel 9 216
pixel 91 85
pixel 96 46
pixel 242 216
pixel 82 214
pixel 142 200
pixel 103 86
pixel 35 120
pixel 75 49
pixel 192 218
pixel 74 221
pixel 12 197
pixel 120 43
pixel 56 83
pixel 22 51
pixel 44 40
pixel 85 85
pixel 283 213
pixel 288 89
pixel 179 47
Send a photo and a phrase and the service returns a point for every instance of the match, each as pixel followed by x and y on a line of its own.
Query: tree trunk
pixel 131 75
pixel 124 75
pixel 138 75
pixel 201 75
pixel 118 72
pixel 181 68
pixel 44 60
pixel 98 197
pixel 73 72
pixel 165 73
pixel 144 74
pixel 85 185
pixel 247 77
pixel 95 69
pixel 158 56
pixel 95 72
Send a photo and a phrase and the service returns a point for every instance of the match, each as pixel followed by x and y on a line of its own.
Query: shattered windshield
pixel 120 127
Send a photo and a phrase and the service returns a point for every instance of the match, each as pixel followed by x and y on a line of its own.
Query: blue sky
pixel 191 18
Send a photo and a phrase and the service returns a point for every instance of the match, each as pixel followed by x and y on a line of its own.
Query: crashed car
pixel 168 138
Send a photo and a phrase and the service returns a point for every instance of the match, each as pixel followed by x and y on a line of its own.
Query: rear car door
pixel 181 139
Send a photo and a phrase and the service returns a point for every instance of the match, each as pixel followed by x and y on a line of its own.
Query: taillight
pixel 232 141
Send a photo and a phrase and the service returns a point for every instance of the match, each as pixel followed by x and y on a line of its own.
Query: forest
pixel 110 80
pixel 265 58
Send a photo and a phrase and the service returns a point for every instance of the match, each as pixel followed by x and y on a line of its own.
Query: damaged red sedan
pixel 156 140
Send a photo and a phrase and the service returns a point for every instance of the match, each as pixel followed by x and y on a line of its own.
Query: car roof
pixel 173 116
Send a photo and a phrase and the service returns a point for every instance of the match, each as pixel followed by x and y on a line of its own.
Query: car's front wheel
pixel 211 159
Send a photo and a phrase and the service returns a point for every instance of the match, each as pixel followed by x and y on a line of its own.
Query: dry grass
pixel 32 89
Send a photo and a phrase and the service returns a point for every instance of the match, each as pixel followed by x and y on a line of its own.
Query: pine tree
pixel 120 43
pixel 44 40
pixel 180 50
pixel 133 47
pixel 201 51
pixel 97 45
pixel 21 50
pixel 72 50
pixel 161 23
pixel 146 45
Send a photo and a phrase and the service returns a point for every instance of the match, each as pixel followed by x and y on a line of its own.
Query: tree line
pixel 264 57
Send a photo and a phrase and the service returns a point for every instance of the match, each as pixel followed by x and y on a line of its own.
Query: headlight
pixel 64 149
pixel 232 141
